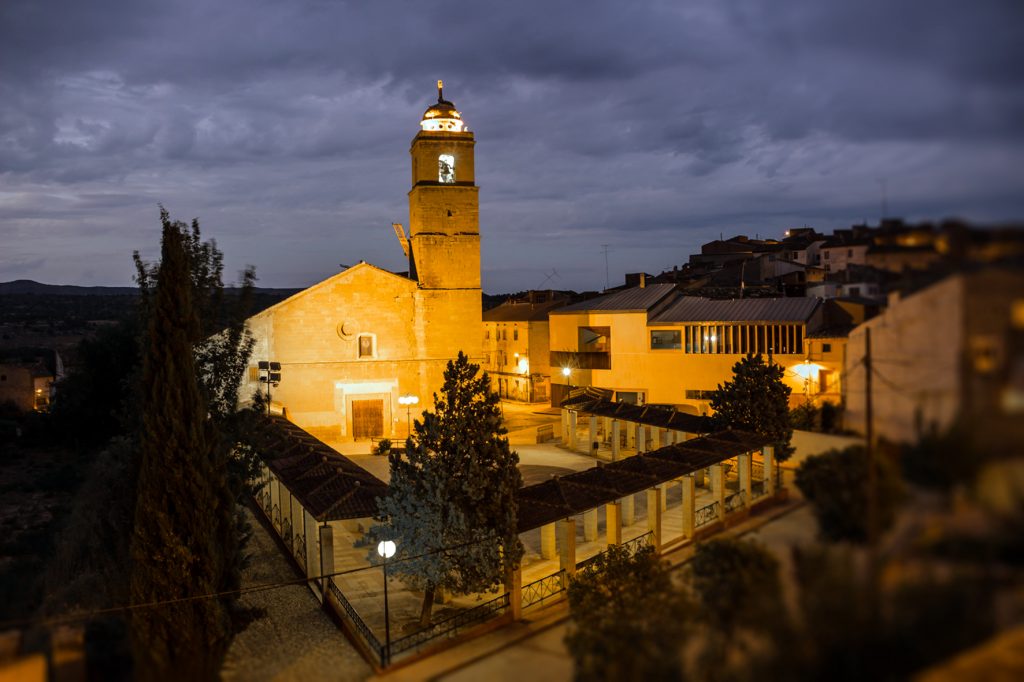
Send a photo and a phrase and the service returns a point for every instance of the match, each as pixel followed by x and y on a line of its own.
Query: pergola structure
pixel 308 487
pixel 645 427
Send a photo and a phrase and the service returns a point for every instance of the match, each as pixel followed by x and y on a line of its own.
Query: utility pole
pixel 869 430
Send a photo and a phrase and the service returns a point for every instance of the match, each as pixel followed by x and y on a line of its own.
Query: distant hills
pixel 30 287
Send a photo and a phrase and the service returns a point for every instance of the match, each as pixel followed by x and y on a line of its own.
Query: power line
pixel 88 615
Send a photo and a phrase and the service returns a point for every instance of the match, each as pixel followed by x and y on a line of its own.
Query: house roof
pixel 648 415
pixel 636 299
pixel 699 309
pixel 513 311
pixel 327 484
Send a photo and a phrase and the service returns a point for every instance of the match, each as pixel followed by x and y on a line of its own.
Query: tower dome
pixel 443 116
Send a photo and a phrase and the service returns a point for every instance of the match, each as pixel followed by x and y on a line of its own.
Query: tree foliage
pixel 738 591
pixel 454 489
pixel 756 400
pixel 628 620
pixel 835 482
pixel 184 542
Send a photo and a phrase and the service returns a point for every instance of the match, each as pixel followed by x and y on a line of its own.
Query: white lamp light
pixel 566 371
pixel 386 548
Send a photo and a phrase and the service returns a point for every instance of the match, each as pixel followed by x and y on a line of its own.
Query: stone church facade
pixel 352 344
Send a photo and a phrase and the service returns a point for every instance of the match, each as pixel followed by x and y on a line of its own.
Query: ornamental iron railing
pixel 299 548
pixel 286 532
pixel 757 471
pixel 268 509
pixel 277 518
pixel 544 588
pixel 451 626
pixel 639 541
pixel 706 514
pixel 362 628
pixel 734 502
pixel 757 489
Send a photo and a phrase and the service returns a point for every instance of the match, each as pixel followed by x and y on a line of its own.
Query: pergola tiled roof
pixel 328 485
pixel 648 415
pixel 564 496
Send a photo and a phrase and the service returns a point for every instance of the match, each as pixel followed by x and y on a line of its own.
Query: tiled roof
pixel 595 403
pixel 564 496
pixel 699 309
pixel 522 312
pixel 636 299
pixel 327 484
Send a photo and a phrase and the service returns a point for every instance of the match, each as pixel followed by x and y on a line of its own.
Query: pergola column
pixel 743 461
pixel 654 516
pixel 663 488
pixel 667 438
pixel 768 463
pixel 630 435
pixel 628 510
pixel 590 525
pixel 641 439
pixel 655 438
pixel 326 557
pixel 718 488
pixel 689 505
pixel 615 440
pixel 699 478
pixel 514 587
pixel 592 433
pixel 548 547
pixel 613 523
pixel 572 429
pixel 567 547
pixel 606 427
pixel 565 426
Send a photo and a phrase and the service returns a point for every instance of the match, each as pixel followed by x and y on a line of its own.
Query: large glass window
pixel 665 339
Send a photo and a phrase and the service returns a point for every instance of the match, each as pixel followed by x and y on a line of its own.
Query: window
pixel 826 348
pixel 366 346
pixel 699 395
pixel 446 169
pixel 487 334
pixel 854 291
pixel 665 339
pixel 515 334
pixel 254 374
pixel 828 255
pixel 595 339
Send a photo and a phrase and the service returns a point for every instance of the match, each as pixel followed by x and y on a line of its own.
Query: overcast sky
pixel 284 126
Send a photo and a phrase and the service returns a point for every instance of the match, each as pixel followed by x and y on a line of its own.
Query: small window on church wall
pixel 446 168
pixel 366 346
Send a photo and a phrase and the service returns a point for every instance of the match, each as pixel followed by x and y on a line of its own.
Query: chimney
pixel 643 280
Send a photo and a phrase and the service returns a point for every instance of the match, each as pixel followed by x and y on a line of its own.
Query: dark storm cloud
pixel 648 126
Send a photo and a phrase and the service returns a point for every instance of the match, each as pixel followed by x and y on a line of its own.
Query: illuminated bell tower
pixel 444 216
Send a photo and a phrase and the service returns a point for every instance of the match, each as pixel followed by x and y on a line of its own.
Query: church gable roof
pixel 360 268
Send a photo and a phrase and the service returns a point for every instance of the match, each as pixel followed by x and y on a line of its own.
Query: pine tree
pixel 454 488
pixel 756 400
pixel 184 542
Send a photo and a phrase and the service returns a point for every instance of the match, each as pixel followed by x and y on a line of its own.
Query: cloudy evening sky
pixel 284 126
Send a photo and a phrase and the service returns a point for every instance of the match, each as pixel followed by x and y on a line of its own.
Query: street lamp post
pixel 408 401
pixel 270 372
pixel 386 548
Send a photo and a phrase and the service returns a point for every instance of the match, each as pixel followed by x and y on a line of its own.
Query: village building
pixel 950 351
pixel 516 349
pixel 652 344
pixel 352 345
pixel 28 376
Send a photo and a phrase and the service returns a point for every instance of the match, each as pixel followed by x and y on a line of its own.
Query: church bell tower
pixel 444 216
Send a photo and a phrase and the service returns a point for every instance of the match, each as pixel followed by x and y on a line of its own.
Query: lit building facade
pixel 517 350
pixel 653 345
pixel 351 345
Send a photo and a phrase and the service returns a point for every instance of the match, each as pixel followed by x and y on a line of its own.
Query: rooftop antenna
pixel 606 280
pixel 551 275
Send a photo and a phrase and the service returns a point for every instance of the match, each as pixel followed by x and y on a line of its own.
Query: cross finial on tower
pixel 440 89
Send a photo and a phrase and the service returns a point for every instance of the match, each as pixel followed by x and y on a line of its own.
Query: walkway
pixel 295 640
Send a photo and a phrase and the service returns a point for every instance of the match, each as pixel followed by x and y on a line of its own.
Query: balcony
pixel 587 360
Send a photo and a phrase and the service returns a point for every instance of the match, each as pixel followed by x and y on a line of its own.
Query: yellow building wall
pixel 314 335
pixel 664 376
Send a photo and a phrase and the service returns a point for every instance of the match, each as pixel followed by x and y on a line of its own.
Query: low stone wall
pixel 809 443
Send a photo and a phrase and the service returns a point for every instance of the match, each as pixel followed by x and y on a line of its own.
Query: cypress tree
pixel 184 537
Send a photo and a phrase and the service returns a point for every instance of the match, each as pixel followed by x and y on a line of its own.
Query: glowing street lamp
pixel 386 548
pixel 408 401
pixel 566 372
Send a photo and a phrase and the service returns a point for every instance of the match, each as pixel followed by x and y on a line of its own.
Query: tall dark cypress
pixel 183 539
